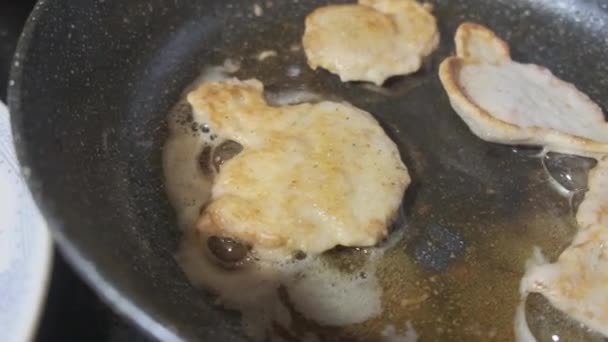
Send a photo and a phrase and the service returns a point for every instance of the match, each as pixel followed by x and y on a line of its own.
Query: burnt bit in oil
pixel 299 255
pixel 204 160
pixel 224 152
pixel 183 114
pixel 194 126
pixel 347 259
pixel 229 252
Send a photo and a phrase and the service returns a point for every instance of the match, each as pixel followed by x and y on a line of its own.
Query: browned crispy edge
pixel 448 74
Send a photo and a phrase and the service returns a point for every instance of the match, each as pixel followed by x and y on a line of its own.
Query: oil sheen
pixel 393 292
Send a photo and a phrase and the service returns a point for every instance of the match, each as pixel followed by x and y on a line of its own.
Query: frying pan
pixel 92 83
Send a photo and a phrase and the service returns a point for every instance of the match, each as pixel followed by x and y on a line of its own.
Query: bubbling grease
pixel 315 289
pixel 311 288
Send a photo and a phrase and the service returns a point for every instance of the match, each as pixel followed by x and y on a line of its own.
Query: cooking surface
pixel 73 312
pixel 495 200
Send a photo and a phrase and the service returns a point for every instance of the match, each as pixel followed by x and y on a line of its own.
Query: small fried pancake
pixel 309 177
pixel 371 41
pixel 506 102
pixel 577 283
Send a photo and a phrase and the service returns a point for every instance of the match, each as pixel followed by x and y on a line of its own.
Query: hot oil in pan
pixel 267 295
pixel 450 274
pixel 473 213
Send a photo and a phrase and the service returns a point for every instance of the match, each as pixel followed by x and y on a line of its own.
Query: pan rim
pixel 75 256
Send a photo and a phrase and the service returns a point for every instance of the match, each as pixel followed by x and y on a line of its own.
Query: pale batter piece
pixel 577 283
pixel 309 176
pixel 370 41
pixel 506 102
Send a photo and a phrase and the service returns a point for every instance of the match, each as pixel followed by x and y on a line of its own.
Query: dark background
pixel 73 312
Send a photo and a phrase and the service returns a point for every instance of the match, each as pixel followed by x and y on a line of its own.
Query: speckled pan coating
pixel 92 82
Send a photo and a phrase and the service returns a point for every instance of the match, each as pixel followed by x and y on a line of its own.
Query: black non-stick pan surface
pixel 93 81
